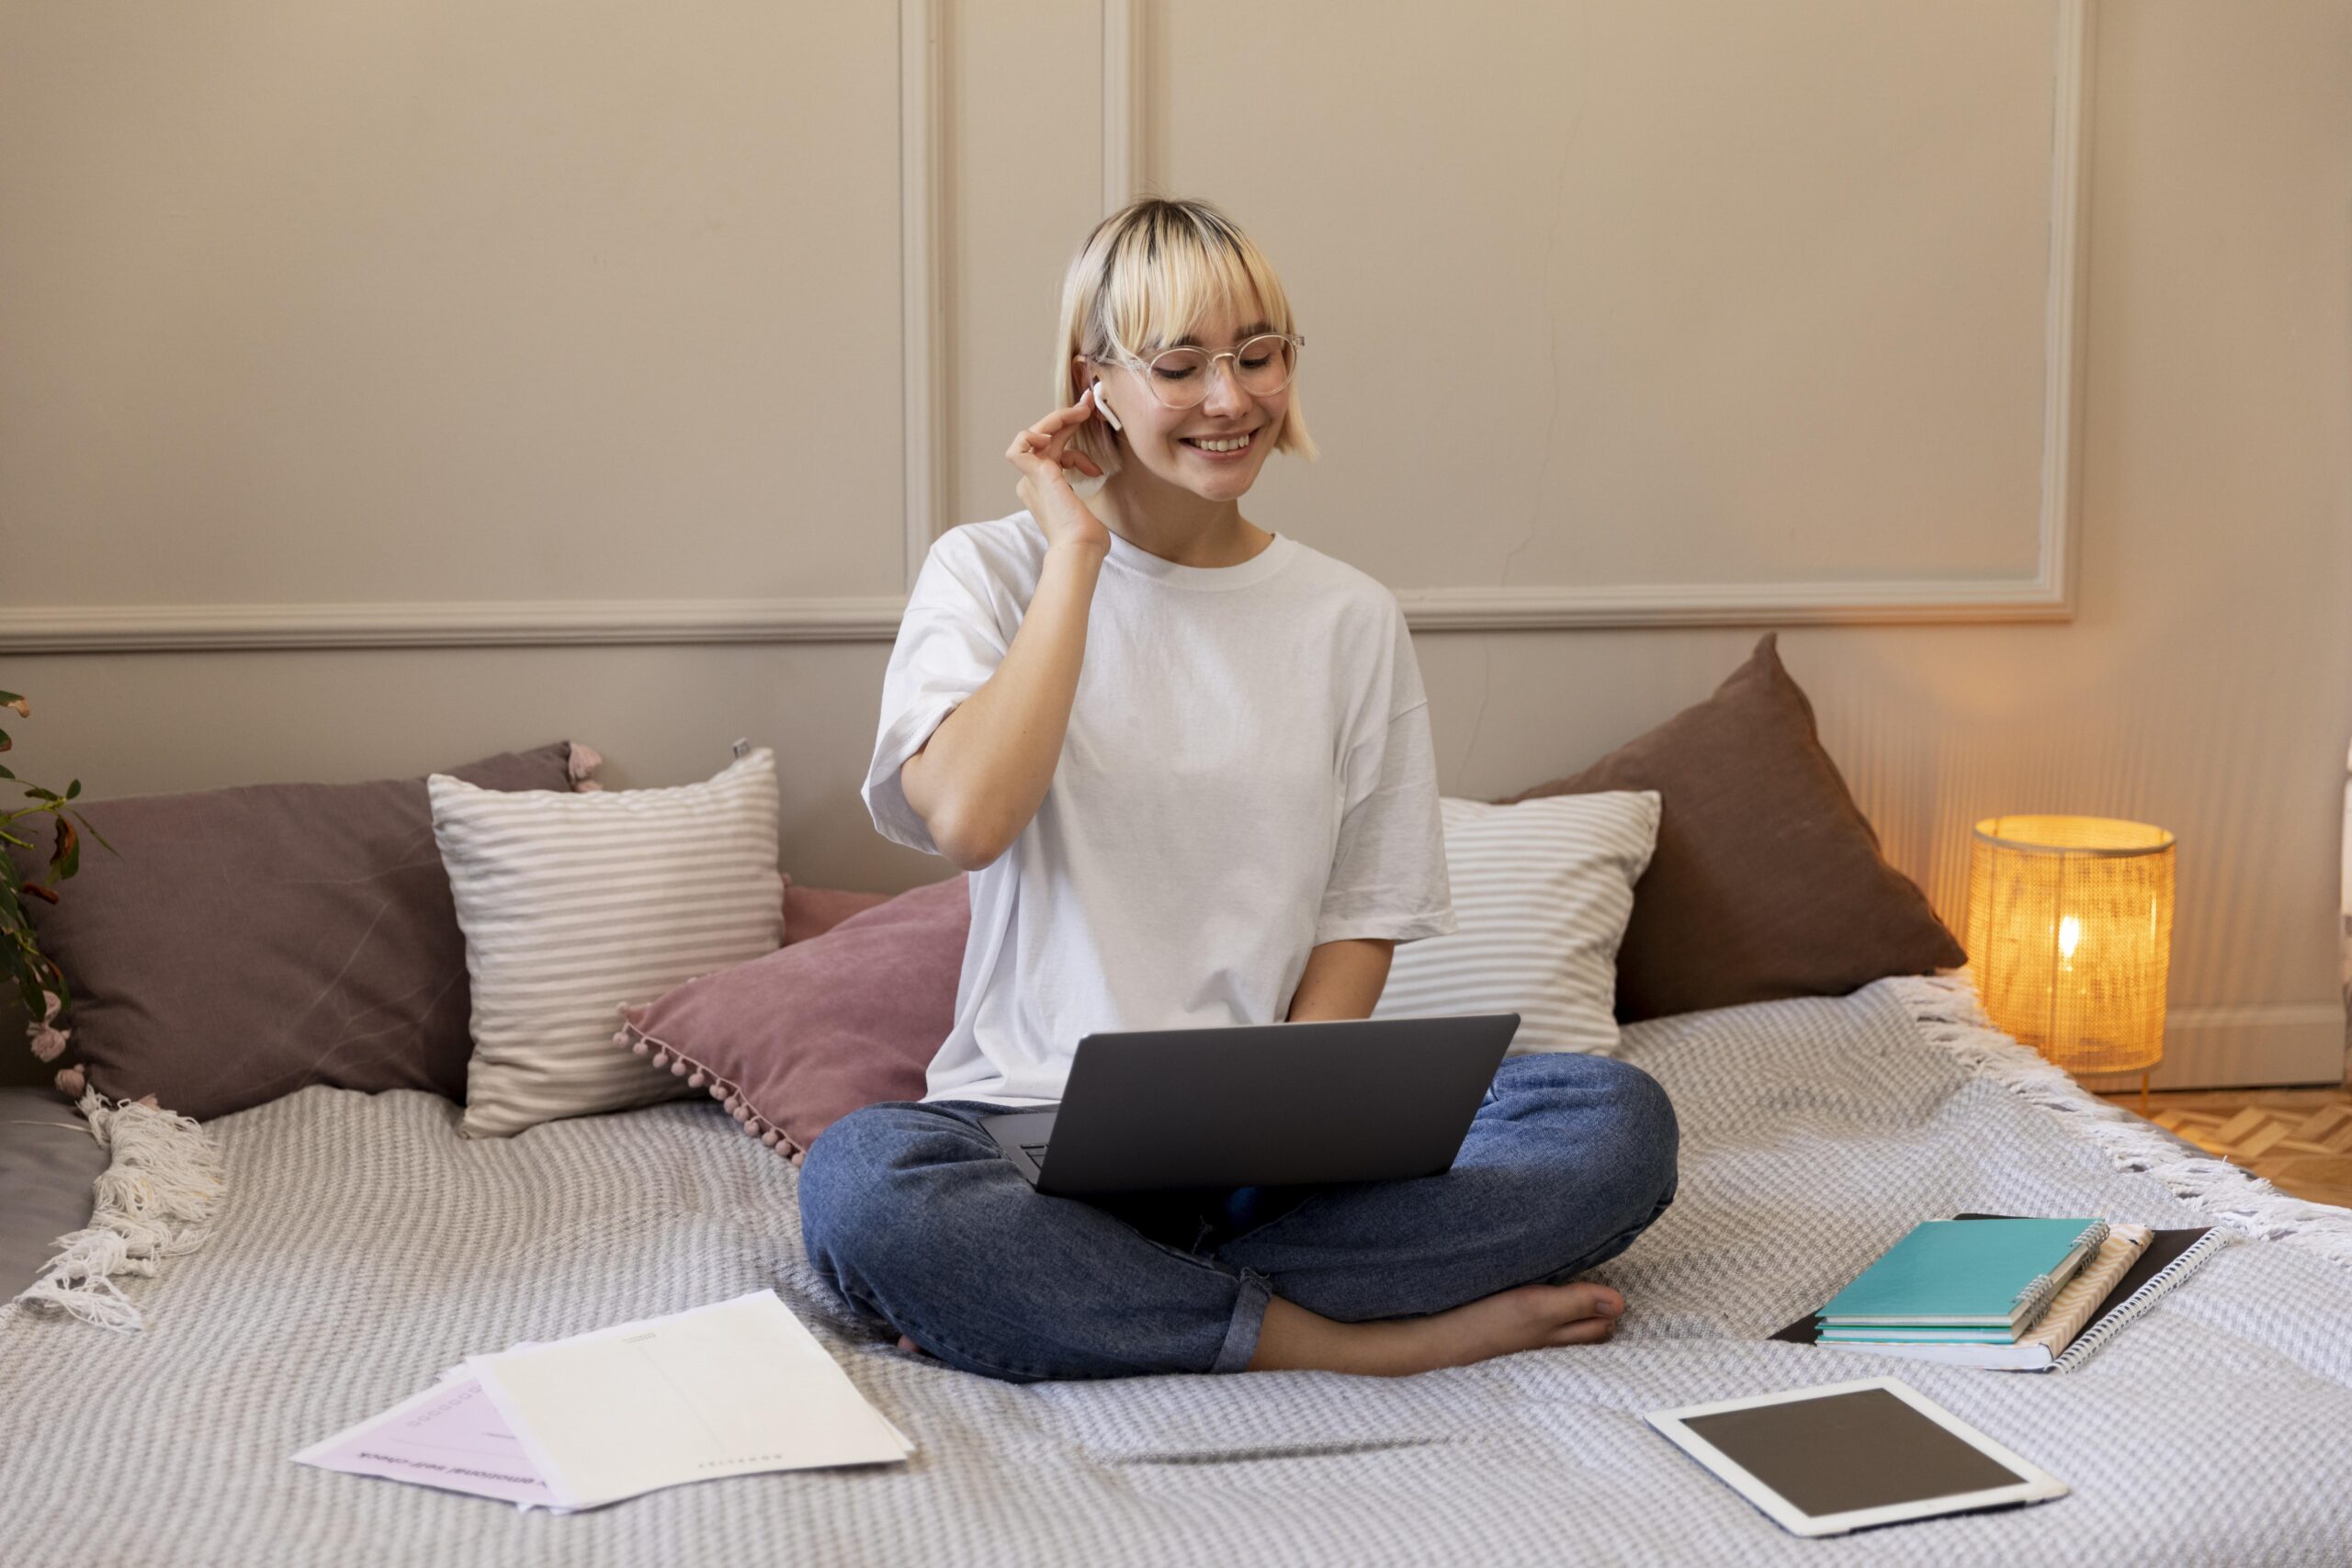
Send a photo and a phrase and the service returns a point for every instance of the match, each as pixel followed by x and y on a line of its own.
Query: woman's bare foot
pixel 1526 1318
pixel 911 1347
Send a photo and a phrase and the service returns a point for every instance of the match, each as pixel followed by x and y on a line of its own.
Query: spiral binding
pixel 2038 1295
pixel 2087 1342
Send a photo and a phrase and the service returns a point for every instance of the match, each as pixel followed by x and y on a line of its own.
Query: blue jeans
pixel 916 1219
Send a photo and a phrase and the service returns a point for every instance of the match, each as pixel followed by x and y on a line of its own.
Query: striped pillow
pixel 1543 898
pixel 575 906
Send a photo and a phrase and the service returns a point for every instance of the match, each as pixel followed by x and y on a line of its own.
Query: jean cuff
pixel 1255 1291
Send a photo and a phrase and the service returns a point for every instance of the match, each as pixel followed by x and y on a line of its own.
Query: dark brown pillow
pixel 244 943
pixel 1768 881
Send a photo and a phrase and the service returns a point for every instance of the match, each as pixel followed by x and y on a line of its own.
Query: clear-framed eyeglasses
pixel 1179 377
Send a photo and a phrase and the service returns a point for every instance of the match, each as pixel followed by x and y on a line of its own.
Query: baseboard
pixel 2256 1046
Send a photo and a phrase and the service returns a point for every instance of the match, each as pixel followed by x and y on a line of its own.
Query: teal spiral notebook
pixel 1993 1273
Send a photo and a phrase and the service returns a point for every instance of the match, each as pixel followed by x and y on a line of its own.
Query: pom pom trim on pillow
pixel 725 1090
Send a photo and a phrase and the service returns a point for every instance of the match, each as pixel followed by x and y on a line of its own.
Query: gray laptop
pixel 1259 1105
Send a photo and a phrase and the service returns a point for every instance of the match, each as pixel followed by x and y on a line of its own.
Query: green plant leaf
pixel 33 973
pixel 39 793
pixel 6 744
pixel 66 858
pixel 73 789
pixel 5 773
pixel 27 983
pixel 101 838
pixel 50 977
pixel 9 700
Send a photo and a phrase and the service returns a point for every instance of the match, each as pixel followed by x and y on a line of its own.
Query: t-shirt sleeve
pixel 948 644
pixel 1388 876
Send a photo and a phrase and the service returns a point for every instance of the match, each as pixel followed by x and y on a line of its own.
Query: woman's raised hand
pixel 1041 453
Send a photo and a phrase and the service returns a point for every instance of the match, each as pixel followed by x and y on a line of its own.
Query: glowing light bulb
pixel 2070 936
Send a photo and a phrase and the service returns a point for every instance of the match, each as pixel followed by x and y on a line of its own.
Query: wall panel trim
pixel 2047 595
pixel 923 277
pixel 484 622
pixel 875 618
pixel 2246 1045
pixel 924 261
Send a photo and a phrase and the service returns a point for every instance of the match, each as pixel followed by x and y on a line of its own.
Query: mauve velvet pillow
pixel 1768 881
pixel 244 943
pixel 794 1041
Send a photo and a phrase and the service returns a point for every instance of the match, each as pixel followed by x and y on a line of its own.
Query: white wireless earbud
pixel 1095 392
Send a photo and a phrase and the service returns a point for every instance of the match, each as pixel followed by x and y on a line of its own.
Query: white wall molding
pixel 924 262
pixel 922 280
pixel 2047 595
pixel 2243 1046
pixel 1727 604
pixel 119 628
pixel 486 623
pixel 1123 108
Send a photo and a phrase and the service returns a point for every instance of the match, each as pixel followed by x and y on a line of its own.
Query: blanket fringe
pixel 1947 1010
pixel 155 1201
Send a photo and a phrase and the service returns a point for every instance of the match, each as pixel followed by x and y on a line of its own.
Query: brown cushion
pixel 794 1041
pixel 244 943
pixel 1768 881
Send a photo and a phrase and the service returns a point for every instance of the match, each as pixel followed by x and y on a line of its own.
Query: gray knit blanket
pixel 362 1247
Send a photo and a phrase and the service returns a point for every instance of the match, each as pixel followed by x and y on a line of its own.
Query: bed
pixel 364 1247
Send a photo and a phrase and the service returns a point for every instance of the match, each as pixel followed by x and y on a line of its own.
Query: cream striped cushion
pixel 1542 891
pixel 574 905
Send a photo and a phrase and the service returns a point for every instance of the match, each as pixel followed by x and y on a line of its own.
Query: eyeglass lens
pixel 1179 377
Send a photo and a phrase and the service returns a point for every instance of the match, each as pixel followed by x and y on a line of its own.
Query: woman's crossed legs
pixel 915 1218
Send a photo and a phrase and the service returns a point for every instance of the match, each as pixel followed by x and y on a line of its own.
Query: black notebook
pixel 2170 1256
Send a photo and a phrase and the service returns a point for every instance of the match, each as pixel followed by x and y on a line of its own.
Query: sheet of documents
pixel 730 1389
pixel 450 1436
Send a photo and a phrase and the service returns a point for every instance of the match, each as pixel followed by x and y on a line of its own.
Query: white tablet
pixel 1849 1455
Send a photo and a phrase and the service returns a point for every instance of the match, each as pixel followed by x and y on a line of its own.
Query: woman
pixel 1187 762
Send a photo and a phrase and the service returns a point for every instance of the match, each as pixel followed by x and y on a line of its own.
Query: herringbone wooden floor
pixel 2298 1139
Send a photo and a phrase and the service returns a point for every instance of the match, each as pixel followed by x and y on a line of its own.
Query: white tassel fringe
pixel 153 1201
pixel 1947 1010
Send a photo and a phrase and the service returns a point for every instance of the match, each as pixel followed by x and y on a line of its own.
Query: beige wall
pixel 587 306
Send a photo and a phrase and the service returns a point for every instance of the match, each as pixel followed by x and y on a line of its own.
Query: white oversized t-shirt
pixel 1247 773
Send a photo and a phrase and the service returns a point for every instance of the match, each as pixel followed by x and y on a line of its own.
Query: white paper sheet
pixel 730 1389
pixel 451 1436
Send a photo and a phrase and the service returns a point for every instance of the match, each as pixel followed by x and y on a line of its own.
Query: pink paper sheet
pixel 450 1436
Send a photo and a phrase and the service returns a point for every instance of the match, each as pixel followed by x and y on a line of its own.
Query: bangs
pixel 1168 274
pixel 1151 275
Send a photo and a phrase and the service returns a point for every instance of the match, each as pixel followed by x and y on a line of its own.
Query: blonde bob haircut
pixel 1149 274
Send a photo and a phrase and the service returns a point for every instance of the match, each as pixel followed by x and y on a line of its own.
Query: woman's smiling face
pixel 1158 435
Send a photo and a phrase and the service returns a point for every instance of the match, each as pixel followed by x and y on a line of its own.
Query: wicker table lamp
pixel 2070 937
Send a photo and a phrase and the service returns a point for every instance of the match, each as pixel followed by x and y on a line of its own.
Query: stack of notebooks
pixel 2013 1294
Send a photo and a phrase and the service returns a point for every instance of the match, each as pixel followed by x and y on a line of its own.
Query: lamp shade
pixel 2070 936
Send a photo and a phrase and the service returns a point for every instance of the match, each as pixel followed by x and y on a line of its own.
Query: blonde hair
pixel 1149 274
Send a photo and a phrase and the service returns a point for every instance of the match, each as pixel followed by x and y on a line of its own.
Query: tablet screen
pixel 1844 1451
